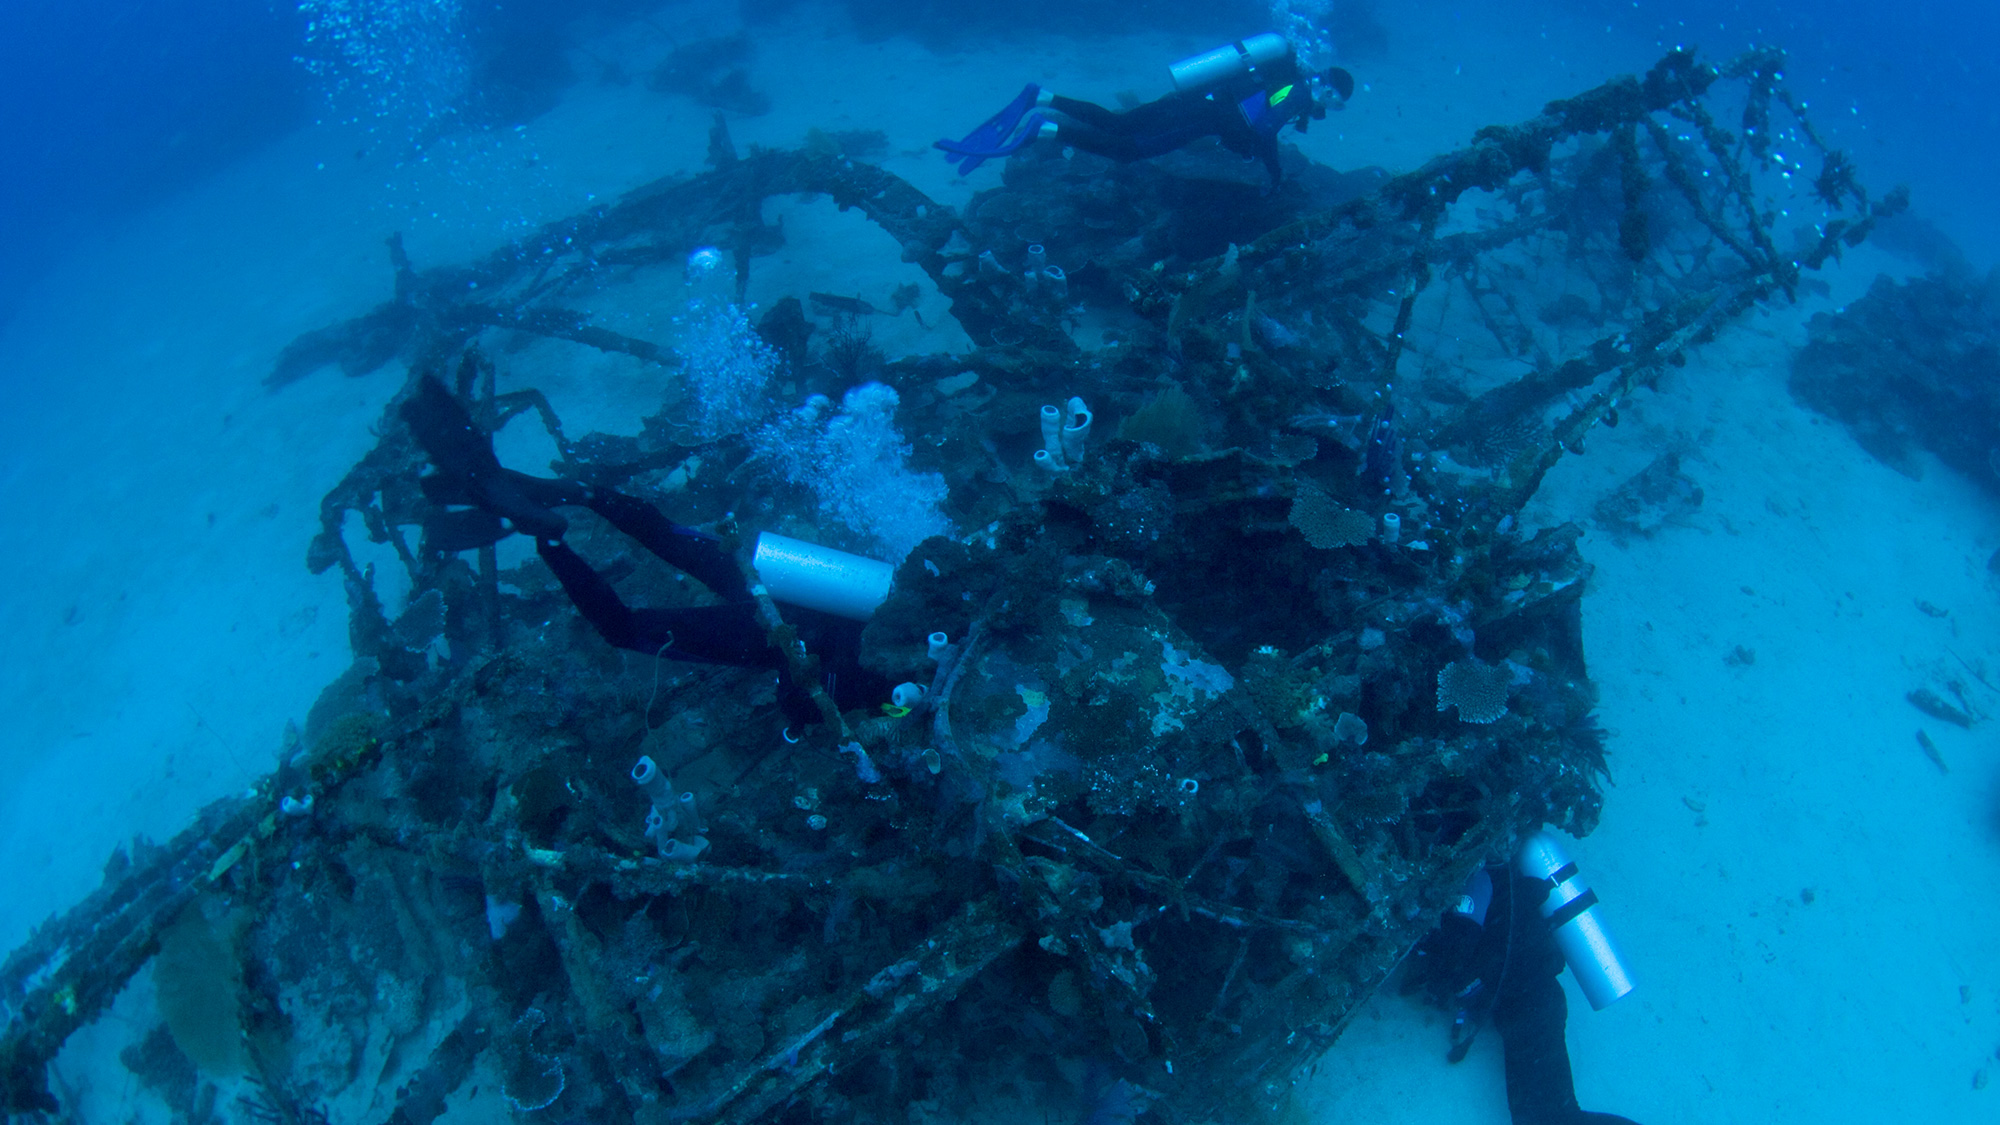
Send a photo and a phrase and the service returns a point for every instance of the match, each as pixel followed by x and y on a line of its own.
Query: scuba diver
pixel 478 502
pixel 1496 955
pixel 1241 93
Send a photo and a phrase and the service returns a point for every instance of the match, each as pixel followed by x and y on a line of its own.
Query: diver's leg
pixel 1088 113
pixel 722 634
pixel 1541 1090
pixel 467 470
pixel 709 634
pixel 1153 129
pixel 1531 1017
pixel 594 597
pixel 1090 138
pixel 699 554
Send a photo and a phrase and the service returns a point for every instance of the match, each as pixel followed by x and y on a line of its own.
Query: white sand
pixel 156 503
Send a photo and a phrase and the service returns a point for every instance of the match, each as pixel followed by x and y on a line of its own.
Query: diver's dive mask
pixel 1333 85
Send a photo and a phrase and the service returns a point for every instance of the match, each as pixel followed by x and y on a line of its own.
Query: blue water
pixel 113 107
pixel 188 185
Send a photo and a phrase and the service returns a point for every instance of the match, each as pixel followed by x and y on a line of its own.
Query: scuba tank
pixel 806 574
pixel 1571 910
pixel 1212 68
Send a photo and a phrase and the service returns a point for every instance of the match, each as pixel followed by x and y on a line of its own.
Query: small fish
pixel 1929 702
pixel 1931 751
pixel 1343 428
pixel 852 306
pixel 1275 333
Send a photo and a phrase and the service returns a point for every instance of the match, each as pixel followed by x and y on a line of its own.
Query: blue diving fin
pixel 1000 135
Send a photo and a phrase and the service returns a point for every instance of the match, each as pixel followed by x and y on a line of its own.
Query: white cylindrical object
pixel 1038 256
pixel 690 817
pixel 1052 423
pixel 683 851
pixel 907 694
pixel 1392 528
pixel 806 574
pixel 648 777
pixel 1210 68
pixel 1571 910
pixel 937 645
pixel 1075 431
pixel 1057 281
pixel 1050 461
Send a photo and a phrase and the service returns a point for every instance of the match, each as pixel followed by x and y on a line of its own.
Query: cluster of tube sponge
pixel 1038 274
pixel 1065 433
pixel 674 824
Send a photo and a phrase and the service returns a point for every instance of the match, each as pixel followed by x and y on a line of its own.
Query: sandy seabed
pixel 1802 892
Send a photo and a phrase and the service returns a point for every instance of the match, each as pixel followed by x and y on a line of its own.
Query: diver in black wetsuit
pixel 480 502
pixel 1494 957
pixel 1242 94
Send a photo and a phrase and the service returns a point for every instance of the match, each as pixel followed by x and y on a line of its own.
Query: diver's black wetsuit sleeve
pixel 1531 1014
pixel 1240 137
pixel 1268 153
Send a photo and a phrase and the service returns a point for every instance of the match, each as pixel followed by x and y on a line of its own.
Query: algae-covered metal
pixel 1217 718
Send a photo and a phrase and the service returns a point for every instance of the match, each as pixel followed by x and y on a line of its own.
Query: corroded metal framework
pixel 1187 786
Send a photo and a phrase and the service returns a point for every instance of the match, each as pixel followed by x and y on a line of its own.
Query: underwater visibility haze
pixel 905 560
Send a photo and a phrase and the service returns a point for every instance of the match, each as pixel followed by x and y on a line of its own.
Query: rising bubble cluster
pixel 399 60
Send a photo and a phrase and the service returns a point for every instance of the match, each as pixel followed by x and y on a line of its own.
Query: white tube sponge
pixel 1052 424
pixel 1057 282
pixel 690 818
pixel 683 851
pixel 864 766
pixel 656 785
pixel 1075 431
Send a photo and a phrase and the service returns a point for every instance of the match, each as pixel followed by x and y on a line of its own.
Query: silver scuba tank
pixel 1571 910
pixel 1214 67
